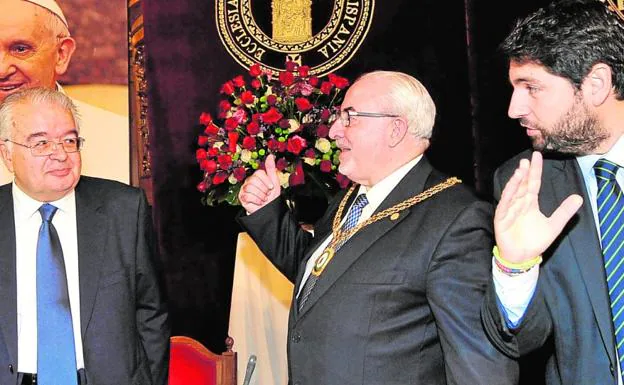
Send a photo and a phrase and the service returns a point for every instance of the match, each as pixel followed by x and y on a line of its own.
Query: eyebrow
pixel 45 134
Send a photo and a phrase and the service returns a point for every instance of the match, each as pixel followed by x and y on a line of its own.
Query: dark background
pixel 451 46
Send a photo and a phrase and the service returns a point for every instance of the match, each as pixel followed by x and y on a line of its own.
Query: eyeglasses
pixel 345 115
pixel 47 147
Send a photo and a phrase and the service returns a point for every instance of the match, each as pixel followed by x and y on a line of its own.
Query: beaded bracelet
pixel 511 268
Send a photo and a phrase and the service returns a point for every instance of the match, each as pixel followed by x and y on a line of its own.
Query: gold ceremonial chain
pixel 341 236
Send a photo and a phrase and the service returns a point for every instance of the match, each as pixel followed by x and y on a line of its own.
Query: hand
pixel 261 187
pixel 522 231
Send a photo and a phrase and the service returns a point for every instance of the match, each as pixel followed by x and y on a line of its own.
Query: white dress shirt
pixel 27 223
pixel 375 195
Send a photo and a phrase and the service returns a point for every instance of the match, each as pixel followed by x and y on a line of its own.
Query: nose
pixel 58 151
pixel 337 129
pixel 518 107
pixel 6 66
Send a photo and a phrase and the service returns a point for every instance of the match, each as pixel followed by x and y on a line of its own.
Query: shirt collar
pixel 615 155
pixel 26 207
pixel 377 193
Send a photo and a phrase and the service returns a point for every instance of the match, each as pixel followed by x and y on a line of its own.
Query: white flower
pixel 245 156
pixel 323 145
pixel 309 161
pixel 294 125
pixel 232 179
pixel 283 178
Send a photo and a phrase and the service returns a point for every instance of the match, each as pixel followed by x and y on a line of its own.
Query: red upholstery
pixel 192 363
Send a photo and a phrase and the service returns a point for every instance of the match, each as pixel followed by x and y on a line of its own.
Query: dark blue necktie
pixel 56 355
pixel 352 219
pixel 611 217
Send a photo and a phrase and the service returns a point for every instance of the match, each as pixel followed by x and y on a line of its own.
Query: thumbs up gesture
pixel 261 187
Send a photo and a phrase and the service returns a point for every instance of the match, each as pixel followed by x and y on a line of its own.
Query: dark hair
pixel 569 37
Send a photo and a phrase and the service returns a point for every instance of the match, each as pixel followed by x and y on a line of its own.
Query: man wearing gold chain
pixel 387 291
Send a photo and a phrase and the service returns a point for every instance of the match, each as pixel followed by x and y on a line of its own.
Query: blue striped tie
pixel 611 217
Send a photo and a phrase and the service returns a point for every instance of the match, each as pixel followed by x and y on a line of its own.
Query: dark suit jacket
pixel 124 322
pixel 569 315
pixel 399 302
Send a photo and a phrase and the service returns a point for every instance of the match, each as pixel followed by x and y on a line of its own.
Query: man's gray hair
pixel 37 96
pixel 407 97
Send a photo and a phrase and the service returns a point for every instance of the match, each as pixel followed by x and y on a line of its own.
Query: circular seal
pixel 323 36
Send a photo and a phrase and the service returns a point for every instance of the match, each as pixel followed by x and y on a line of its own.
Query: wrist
pixel 513 268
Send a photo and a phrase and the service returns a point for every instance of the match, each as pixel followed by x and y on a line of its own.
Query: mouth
pixel 8 88
pixel 60 172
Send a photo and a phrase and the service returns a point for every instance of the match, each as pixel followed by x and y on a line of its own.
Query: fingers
pixel 563 213
pixel 535 173
pixel 514 189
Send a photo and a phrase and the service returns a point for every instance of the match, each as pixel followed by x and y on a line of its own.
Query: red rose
pixel 205 118
pixel 286 78
pixel 255 70
pixel 325 114
pixel 291 66
pixel 273 145
pixel 271 100
pixel 297 176
pixel 213 151
pixel 240 115
pixel 224 106
pixel 326 87
pixel 202 141
pixel 219 178
pixel 227 88
pixel 231 123
pixel 322 131
pixel 232 138
pixel 342 180
pixel 304 71
pixel 296 144
pixel 211 130
pixel 253 128
pixel 281 164
pixel 281 146
pixel 247 97
pixel 310 153
pixel 325 166
pixel 303 104
pixel 202 186
pixel 200 154
pixel 256 117
pixel 284 123
pixel 239 81
pixel 249 143
pixel 338 81
pixel 209 166
pixel 240 173
pixel 225 161
pixel 313 81
pixel 255 83
pixel 271 116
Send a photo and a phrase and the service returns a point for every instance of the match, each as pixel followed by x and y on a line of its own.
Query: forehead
pixel 42 119
pixel 362 94
pixel 22 20
pixel 530 72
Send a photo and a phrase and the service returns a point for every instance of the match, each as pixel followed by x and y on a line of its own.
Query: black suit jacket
pixel 399 302
pixel 569 316
pixel 124 322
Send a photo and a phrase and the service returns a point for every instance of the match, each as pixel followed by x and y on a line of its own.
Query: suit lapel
pixel 8 281
pixel 92 234
pixel 412 184
pixel 567 179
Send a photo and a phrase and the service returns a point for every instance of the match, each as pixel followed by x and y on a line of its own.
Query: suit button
pixel 296 338
pixel 11 369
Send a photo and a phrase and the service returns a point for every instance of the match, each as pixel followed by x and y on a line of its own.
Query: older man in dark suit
pixel 387 289
pixel 81 301
pixel 558 278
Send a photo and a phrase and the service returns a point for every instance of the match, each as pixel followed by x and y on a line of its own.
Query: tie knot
pixel 605 169
pixel 47 212
pixel 360 201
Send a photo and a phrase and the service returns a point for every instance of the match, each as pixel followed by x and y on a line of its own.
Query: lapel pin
pixel 394 217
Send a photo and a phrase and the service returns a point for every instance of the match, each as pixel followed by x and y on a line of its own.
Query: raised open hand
pixel 522 231
pixel 261 187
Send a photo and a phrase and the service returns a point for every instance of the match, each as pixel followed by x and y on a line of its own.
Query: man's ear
pixel 64 53
pixel 398 131
pixel 7 157
pixel 598 85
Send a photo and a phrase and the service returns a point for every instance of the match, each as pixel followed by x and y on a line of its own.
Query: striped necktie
pixel 352 219
pixel 611 217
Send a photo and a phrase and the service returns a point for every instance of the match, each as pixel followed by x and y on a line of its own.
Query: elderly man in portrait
pixel 81 296
pixel 35 50
pixel 387 290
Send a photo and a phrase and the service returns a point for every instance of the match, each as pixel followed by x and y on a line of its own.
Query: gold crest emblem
pixel 323 36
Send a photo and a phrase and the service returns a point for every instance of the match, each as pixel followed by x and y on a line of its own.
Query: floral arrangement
pixel 288 116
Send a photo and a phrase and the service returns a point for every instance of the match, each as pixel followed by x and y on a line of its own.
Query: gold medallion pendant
pixel 321 262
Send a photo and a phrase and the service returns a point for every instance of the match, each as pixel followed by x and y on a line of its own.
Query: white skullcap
pixel 51 6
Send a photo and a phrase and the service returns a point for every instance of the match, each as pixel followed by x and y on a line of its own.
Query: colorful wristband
pixel 514 268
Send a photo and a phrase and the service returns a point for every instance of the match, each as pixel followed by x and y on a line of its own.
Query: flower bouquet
pixel 288 116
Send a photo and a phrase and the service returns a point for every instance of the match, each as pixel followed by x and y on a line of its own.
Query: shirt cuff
pixel 514 292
